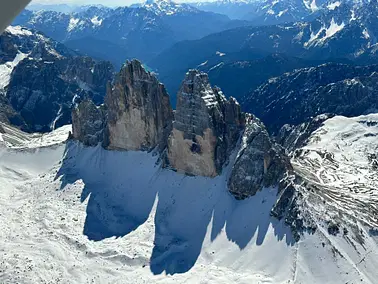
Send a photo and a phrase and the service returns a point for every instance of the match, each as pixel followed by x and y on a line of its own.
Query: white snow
pixel 341 159
pixel 313 6
pixel 72 24
pixel 216 66
pixel 116 217
pixel 353 16
pixel 330 31
pixel 19 31
pixel 7 68
pixel 282 12
pixel 16 139
pixel 333 29
pixel 58 116
pixel 167 7
pixel 366 34
pixel 203 63
pixel 96 21
pixel 334 5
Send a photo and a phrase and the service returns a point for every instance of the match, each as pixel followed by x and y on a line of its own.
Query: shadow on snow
pixel 121 188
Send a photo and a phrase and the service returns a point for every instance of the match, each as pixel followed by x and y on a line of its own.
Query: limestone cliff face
pixel 206 127
pixel 88 122
pixel 139 114
pixel 260 162
pixel 205 131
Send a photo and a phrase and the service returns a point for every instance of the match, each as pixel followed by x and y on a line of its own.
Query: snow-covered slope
pixel 72 214
pixel 24 37
pixel 340 164
pixel 168 7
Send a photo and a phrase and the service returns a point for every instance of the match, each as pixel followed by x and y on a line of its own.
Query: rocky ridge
pixel 298 96
pixel 139 114
pixel 209 136
pixel 206 132
pixel 206 127
pixel 29 60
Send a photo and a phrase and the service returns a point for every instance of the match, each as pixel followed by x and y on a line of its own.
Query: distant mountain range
pixel 141 31
pixel 343 33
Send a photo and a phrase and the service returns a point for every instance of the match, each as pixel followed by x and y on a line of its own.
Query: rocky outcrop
pixel 260 162
pixel 206 130
pixel 42 79
pixel 206 127
pixel 88 123
pixel 303 94
pixel 294 137
pixel 139 114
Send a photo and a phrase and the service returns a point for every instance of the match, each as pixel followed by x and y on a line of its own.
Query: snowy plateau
pixel 75 214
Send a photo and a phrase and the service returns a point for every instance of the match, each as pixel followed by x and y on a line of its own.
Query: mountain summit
pixel 168 7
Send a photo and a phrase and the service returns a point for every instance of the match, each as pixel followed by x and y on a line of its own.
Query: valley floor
pixel 71 214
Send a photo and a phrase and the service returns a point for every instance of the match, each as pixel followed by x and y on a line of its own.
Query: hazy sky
pixel 104 2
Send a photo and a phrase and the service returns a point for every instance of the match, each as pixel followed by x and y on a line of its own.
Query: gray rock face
pixel 293 137
pixel 206 130
pixel 206 127
pixel 88 123
pixel 41 79
pixel 260 162
pixel 139 114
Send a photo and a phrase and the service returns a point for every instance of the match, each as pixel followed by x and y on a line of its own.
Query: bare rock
pixel 206 127
pixel 294 137
pixel 260 162
pixel 88 123
pixel 139 114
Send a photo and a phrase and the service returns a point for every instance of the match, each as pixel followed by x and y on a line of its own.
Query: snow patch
pixel 18 31
pixel 72 24
pixel 203 63
pixel 96 21
pixel 328 33
pixel 353 16
pixel 216 66
pixel 313 6
pixel 59 115
pixel 7 68
pixel 333 29
pixel 333 6
pixel 117 217
pixel 282 12
pixel 366 34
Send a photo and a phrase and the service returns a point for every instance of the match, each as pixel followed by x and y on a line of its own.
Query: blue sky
pixel 83 2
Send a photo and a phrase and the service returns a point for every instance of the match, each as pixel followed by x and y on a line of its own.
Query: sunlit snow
pixel 7 68
pixel 333 6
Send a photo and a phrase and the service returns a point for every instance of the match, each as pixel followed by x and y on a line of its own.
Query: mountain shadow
pixel 124 189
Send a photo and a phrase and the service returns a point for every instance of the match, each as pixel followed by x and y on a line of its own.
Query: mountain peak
pixel 167 7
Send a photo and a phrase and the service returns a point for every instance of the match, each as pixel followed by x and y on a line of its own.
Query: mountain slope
pixel 142 31
pixel 238 78
pixel 28 61
pixel 342 34
pixel 295 97
pixel 232 9
pixel 230 241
